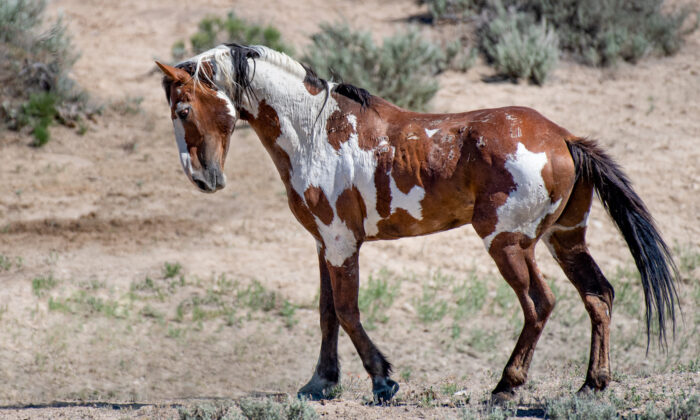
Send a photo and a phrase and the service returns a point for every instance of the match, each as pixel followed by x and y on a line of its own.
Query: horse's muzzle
pixel 209 180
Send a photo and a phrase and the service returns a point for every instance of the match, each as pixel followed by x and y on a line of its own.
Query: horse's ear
pixel 173 73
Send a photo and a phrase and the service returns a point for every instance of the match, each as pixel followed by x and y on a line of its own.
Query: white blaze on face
pixel 185 159
pixel 430 133
pixel 529 203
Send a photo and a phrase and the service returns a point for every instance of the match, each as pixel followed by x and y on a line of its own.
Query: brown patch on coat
pixel 383 187
pixel 338 129
pixel 318 204
pixel 352 210
pixel 409 157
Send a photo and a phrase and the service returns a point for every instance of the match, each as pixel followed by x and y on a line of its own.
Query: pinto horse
pixel 357 168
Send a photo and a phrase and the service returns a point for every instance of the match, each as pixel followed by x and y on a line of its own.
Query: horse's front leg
pixel 327 371
pixel 345 281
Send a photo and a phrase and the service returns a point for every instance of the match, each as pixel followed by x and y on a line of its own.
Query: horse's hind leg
pixel 345 281
pixel 514 255
pixel 327 370
pixel 566 242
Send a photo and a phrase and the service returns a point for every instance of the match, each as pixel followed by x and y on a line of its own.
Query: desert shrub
pixel 519 47
pixel 213 30
pixel 250 409
pixel 597 33
pixel 580 408
pixel 460 10
pixel 210 411
pixel 401 70
pixel 605 31
pixel 267 409
pixel 451 10
pixel 34 66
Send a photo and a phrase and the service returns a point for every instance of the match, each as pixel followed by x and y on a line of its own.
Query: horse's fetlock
pixel 515 376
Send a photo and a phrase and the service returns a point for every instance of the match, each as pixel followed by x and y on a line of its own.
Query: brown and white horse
pixel 357 168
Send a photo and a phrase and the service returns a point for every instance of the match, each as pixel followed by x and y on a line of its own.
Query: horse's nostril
pixel 201 184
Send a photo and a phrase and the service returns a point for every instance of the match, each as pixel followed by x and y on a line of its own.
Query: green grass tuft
pixel 376 297
pixel 40 285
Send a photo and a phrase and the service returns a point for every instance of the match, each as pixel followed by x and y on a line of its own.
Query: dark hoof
pixel 316 390
pixel 384 390
pixel 586 390
pixel 502 397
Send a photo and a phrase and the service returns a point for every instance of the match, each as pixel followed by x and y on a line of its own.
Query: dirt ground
pixel 120 283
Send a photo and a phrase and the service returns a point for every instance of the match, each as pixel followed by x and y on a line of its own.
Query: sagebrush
pixel 213 31
pixel 606 31
pixel 35 64
pixel 402 69
pixel 519 47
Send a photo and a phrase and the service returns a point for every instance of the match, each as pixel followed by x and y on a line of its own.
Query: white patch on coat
pixel 412 136
pixel 352 119
pixel 314 162
pixel 339 241
pixel 185 159
pixel 430 133
pixel 229 105
pixel 529 202
pixel 409 202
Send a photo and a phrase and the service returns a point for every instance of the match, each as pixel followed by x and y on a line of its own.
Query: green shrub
pixel 34 66
pixel 212 31
pixel 401 70
pixel 451 10
pixel 598 32
pixel 602 32
pixel 210 411
pixel 519 47
pixel 40 285
pixel 267 409
pixel 580 408
pixel 39 113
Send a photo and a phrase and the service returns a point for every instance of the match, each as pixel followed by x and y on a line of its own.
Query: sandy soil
pixel 101 212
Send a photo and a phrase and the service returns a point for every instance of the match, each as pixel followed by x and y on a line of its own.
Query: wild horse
pixel 357 168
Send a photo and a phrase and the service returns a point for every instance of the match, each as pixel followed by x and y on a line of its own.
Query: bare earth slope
pixel 90 312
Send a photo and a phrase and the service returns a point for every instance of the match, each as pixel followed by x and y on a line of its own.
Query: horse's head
pixel 203 119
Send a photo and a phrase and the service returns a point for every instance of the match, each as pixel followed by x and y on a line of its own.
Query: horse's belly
pixel 434 217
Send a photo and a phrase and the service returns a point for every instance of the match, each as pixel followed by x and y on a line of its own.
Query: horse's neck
pixel 301 115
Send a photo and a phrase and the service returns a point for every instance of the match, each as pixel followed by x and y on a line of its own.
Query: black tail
pixel 650 252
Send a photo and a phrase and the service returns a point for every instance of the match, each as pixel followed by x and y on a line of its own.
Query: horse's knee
pixel 349 318
pixel 545 304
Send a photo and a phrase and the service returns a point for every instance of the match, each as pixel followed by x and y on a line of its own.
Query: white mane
pixel 224 76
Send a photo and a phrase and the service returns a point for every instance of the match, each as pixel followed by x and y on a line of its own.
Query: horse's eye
pixel 183 113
